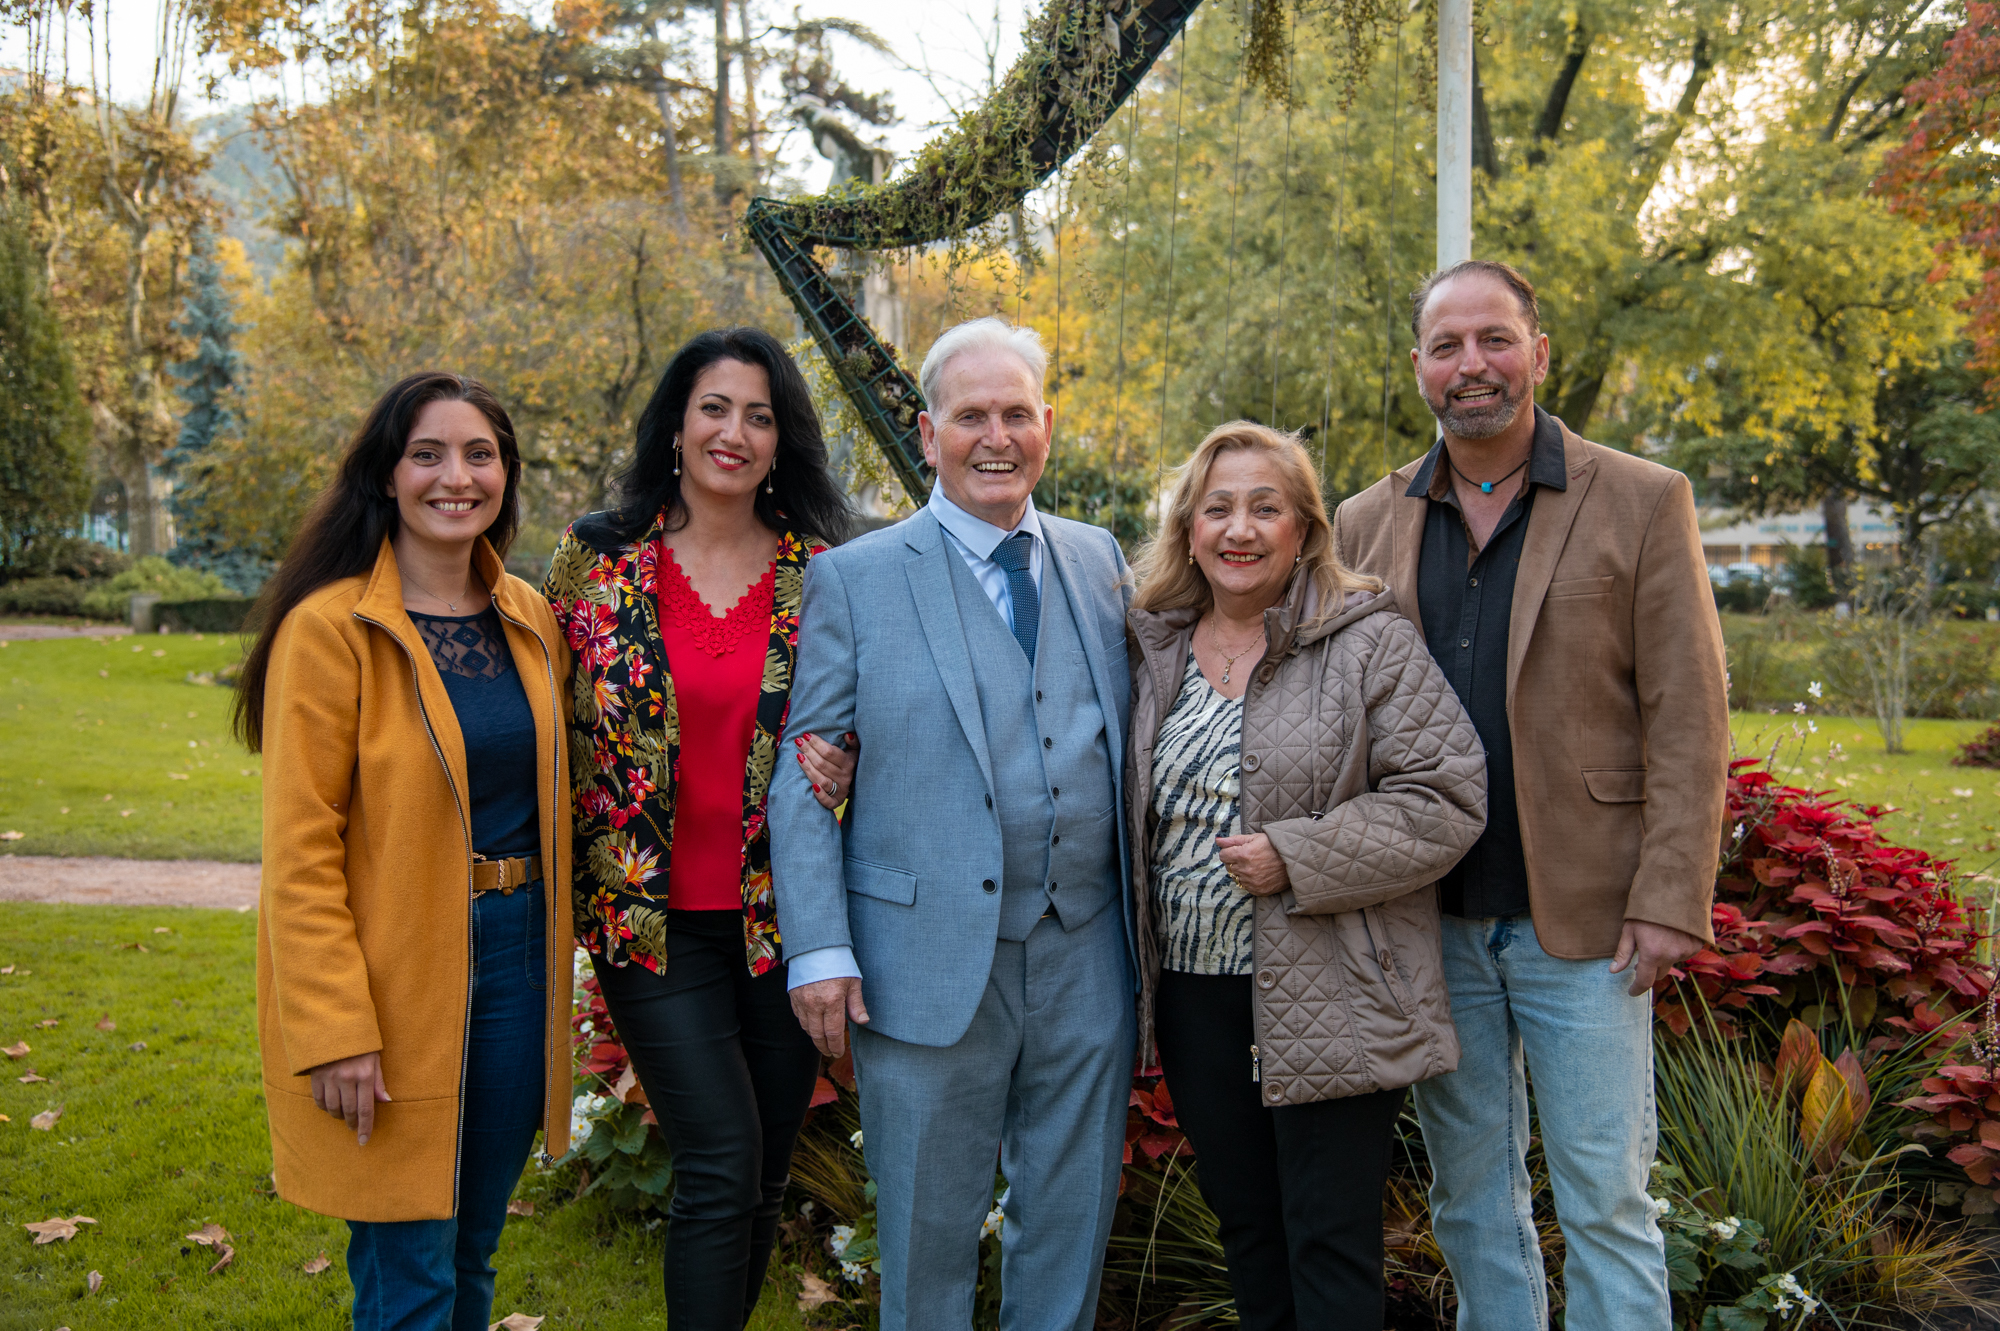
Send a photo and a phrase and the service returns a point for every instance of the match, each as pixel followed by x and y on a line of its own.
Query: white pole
pixel 1454 130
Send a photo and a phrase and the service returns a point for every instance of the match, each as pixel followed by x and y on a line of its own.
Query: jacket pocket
pixel 1580 587
pixel 1376 930
pixel 880 882
pixel 1616 785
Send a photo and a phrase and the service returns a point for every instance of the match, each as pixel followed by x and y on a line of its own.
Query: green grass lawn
pixel 156 1142
pixel 1949 811
pixel 110 751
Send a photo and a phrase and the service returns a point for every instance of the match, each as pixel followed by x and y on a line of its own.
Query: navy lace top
pixel 471 654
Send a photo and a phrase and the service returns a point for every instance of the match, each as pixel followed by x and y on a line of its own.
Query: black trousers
pixel 1297 1189
pixel 729 1074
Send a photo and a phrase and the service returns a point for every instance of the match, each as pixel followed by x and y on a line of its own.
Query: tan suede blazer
pixel 1616 691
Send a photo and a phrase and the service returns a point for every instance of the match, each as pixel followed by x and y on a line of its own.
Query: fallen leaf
pixel 7 969
pixel 52 1021
pixel 11 835
pixel 124 813
pixel 519 1207
pixel 163 930
pixel 20 1050
pixel 128 947
pixel 177 776
pixel 32 1077
pixel 104 1023
pixel 627 1089
pixel 516 1322
pixel 46 1120
pixel 228 1256
pixel 210 1236
pixel 6 1118
pixel 814 1292
pixel 137 1046
pixel 56 1228
pixel 315 1265
pixel 94 1281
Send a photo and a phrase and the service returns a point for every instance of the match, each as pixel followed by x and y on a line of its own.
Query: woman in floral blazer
pixel 678 711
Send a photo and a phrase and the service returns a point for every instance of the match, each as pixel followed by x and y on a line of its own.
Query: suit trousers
pixel 729 1073
pixel 1296 1189
pixel 1040 1082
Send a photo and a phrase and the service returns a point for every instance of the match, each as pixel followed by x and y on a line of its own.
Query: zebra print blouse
pixel 1203 919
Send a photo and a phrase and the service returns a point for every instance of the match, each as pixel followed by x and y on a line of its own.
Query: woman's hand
pixel 1253 863
pixel 830 769
pixel 350 1089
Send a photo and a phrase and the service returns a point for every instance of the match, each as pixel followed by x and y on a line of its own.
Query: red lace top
pixel 717 664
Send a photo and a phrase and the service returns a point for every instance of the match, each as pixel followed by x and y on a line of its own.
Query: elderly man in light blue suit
pixel 969 917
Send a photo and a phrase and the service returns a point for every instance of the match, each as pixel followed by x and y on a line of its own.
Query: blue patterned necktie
pixel 1012 555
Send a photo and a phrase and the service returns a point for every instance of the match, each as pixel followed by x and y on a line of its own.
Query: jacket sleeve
pixel 311 718
pixel 807 876
pixel 1426 801
pixel 1682 685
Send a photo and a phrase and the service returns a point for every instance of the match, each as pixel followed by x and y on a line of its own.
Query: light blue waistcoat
pixel 1052 774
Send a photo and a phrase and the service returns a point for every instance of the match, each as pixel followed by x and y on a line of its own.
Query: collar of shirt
pixel 976 539
pixel 1547 464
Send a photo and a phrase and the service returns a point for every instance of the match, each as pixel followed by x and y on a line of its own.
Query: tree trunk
pixel 1549 124
pixel 749 90
pixel 1839 543
pixel 669 136
pixel 1485 155
pixel 723 190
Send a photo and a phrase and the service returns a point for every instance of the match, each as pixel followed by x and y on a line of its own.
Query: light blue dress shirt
pixel 975 539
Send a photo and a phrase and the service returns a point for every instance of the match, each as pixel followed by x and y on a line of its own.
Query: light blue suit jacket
pixel 882 653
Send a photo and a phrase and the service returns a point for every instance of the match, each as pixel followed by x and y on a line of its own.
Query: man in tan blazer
pixel 1560 585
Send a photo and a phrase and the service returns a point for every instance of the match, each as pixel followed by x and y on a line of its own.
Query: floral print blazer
pixel 625 743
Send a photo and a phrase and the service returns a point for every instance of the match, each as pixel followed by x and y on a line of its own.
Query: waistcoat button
pixel 1056 840
pixel 1048 743
pixel 1249 762
pixel 988 885
pixel 1055 792
pixel 1038 695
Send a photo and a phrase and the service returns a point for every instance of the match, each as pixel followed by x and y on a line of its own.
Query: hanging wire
pixel 1173 224
pixel 1276 339
pixel 1124 268
pixel 1235 195
pixel 1333 300
pixel 1389 266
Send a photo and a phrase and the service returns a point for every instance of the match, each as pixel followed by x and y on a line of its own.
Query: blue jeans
pixel 425 1275
pixel 1589 1046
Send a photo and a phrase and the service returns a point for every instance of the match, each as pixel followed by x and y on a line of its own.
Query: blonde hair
pixel 1167 581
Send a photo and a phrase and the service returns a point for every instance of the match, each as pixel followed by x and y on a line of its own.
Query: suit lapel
pixel 1070 570
pixel 1549 523
pixel 944 631
pixel 1406 544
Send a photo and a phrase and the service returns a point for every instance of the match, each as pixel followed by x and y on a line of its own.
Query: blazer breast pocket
pixel 880 882
pixel 1580 587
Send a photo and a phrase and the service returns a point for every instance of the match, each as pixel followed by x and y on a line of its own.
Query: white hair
pixel 988 334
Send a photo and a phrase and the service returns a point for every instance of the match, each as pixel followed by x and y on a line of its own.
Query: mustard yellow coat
pixel 364 924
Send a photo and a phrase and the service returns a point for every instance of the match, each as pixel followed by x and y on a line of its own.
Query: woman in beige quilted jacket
pixel 1300 775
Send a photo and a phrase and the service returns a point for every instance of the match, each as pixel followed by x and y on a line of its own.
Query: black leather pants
pixel 729 1074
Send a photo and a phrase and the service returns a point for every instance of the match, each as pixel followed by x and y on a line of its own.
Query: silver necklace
pixel 433 595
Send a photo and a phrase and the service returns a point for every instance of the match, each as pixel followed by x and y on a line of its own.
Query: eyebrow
pixel 426 439
pixel 732 401
pixel 1231 494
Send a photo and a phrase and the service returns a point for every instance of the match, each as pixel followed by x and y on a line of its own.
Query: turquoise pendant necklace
pixel 1486 487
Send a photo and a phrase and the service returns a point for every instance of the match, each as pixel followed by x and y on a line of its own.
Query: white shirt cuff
pixel 822 963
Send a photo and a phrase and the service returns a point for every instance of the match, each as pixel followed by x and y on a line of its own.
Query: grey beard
pixel 1476 422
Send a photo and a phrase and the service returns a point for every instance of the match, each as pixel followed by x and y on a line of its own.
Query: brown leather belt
pixel 503 876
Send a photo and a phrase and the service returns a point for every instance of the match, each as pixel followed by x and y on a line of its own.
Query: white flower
pixel 842 1236
pixel 1814 688
pixel 853 1271
pixel 1799 708
pixel 1661 1207
pixel 1789 1284
pixel 1736 832
pixel 855 1140
pixel 1783 1307
pixel 586 1028
pixel 993 1220
pixel 1812 727
pixel 1725 1229
pixel 1808 1304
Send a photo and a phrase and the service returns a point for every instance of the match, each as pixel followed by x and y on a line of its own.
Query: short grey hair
pixel 988 334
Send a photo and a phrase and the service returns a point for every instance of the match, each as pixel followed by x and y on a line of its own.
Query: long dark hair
pixel 342 534
pixel 806 497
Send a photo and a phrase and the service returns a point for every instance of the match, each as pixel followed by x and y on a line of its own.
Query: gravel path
pixel 23 632
pixel 99 880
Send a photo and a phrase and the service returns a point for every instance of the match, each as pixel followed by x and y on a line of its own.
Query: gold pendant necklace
pixel 1228 661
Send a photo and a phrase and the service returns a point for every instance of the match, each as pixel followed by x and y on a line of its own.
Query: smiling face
pixel 1477 359
pixel 988 435
pixel 1245 534
pixel 729 433
pixel 451 479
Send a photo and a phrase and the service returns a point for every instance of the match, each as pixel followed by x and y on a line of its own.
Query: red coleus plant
pixel 1964 1102
pixel 1811 904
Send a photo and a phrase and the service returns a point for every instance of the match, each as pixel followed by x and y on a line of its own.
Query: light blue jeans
pixel 1588 1044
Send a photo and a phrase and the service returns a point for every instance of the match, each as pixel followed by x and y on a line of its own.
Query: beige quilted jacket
pixel 1365 772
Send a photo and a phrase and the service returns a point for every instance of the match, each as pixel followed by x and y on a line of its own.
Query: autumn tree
pixel 43 431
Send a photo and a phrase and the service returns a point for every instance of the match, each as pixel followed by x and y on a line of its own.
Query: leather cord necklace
pixel 1486 487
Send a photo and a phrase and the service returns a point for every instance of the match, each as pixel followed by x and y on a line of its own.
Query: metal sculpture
pixel 1084 58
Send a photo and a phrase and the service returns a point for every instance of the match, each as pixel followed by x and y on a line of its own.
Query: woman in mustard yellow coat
pixel 413 941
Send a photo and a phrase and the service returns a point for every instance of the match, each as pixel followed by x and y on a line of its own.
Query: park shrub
pixel 220 614
pixel 154 576
pixel 42 596
pixel 1982 750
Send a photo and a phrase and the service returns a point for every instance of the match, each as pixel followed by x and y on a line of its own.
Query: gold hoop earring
pixel 677 455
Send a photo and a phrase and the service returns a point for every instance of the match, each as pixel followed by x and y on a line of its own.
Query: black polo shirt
pixel 1466 596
